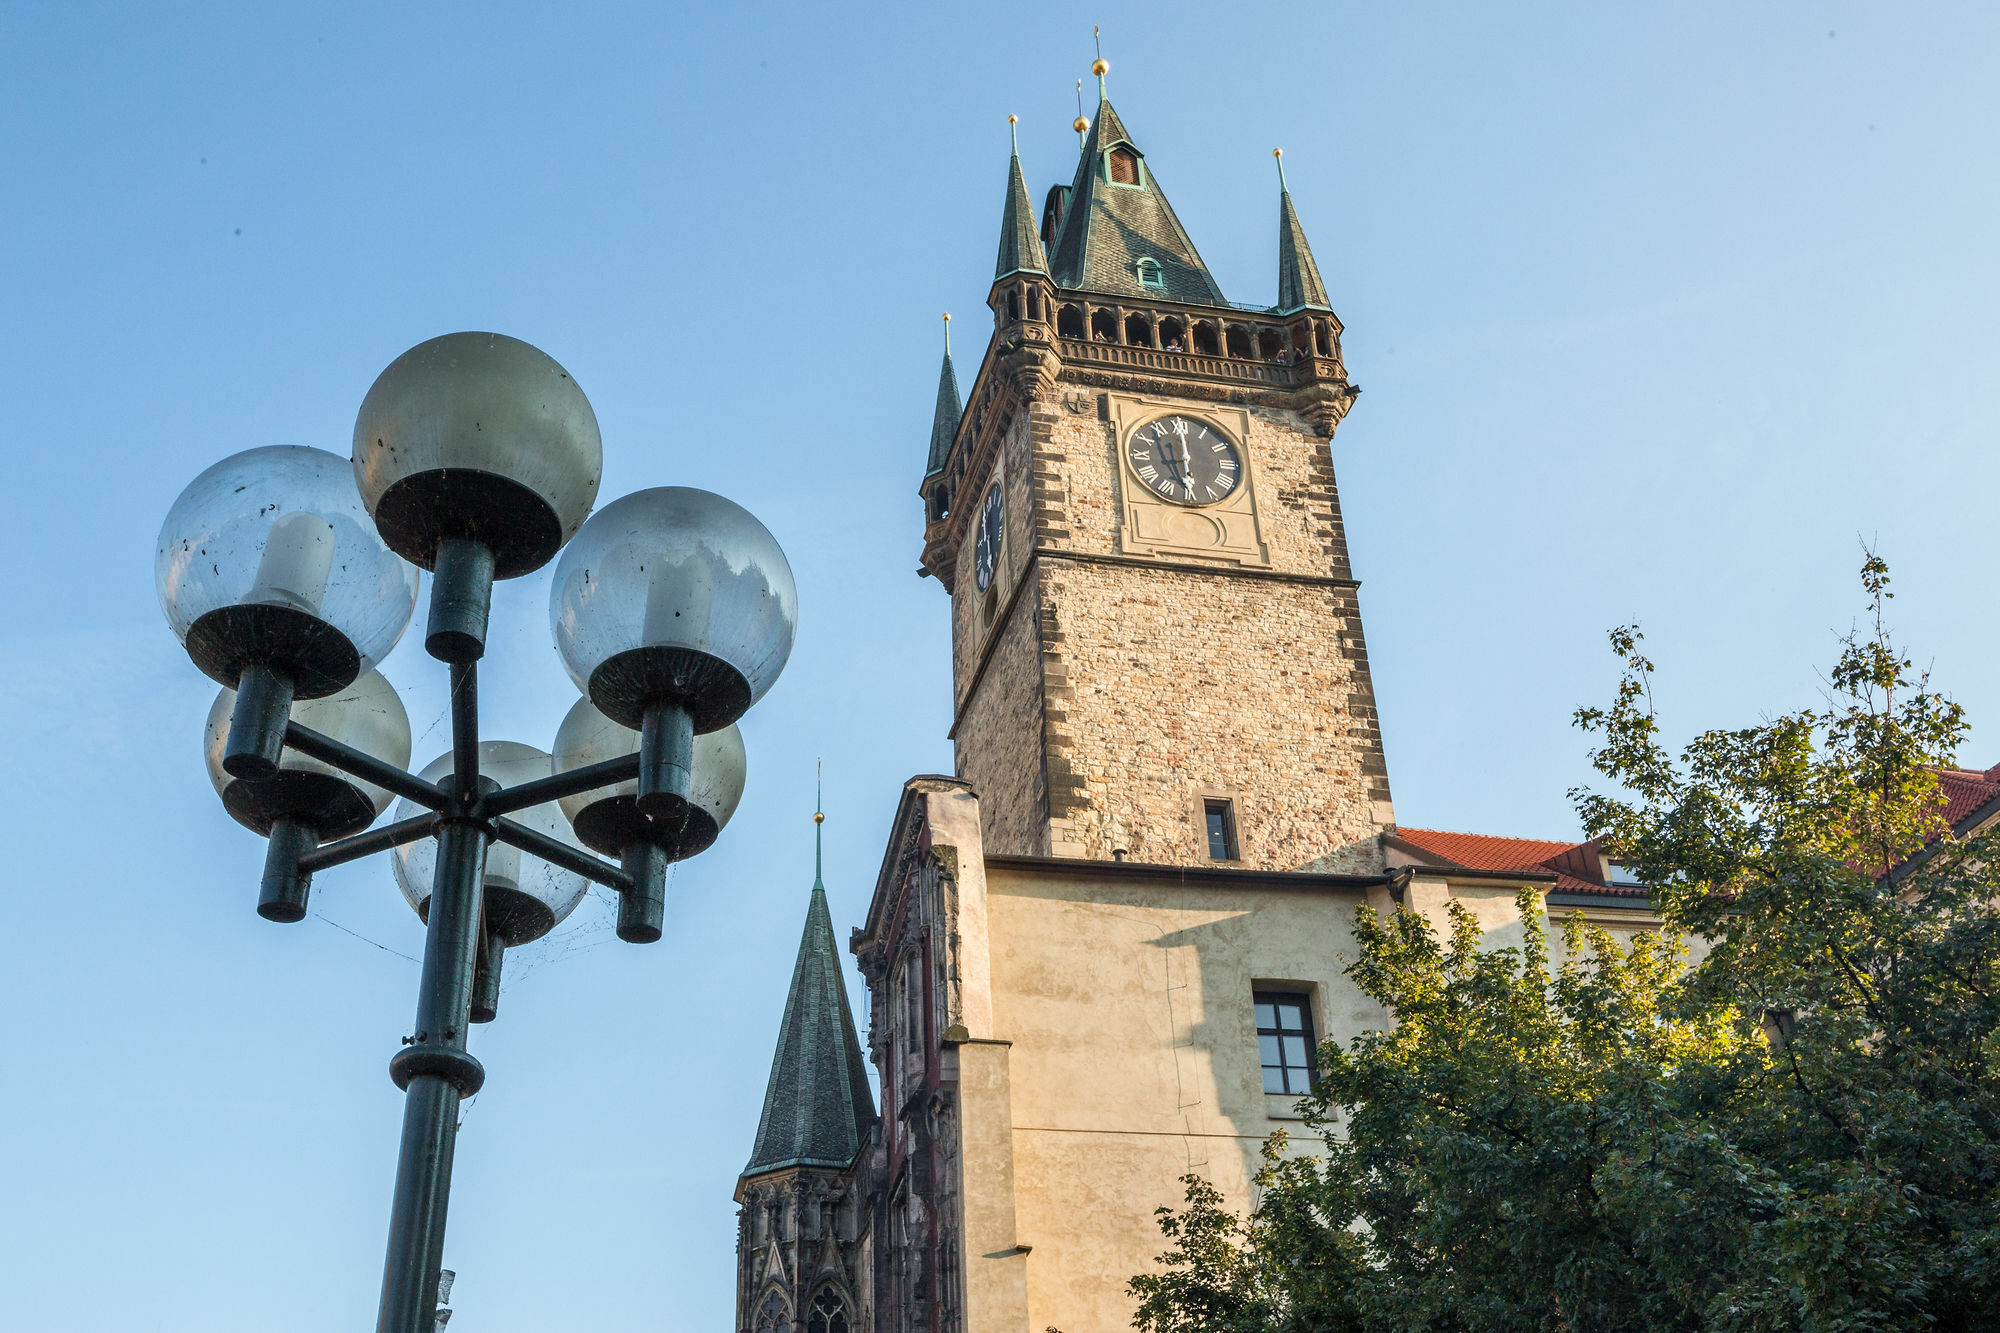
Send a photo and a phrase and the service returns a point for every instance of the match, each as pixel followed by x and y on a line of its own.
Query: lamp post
pixel 288 573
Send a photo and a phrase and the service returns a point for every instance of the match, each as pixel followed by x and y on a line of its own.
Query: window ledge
pixel 1282 1105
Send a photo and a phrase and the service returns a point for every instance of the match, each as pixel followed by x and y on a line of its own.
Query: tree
pixel 1802 1131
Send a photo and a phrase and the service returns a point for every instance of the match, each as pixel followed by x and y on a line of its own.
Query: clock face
pixel 986 553
pixel 1184 460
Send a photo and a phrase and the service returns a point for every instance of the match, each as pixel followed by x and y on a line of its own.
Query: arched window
pixel 1322 344
pixel 1270 344
pixel 1204 339
pixel 1239 343
pixel 1124 165
pixel 1103 326
pixel 773 1316
pixel 1150 276
pixel 1173 334
pixel 1138 330
pixel 828 1313
pixel 1013 305
pixel 1069 322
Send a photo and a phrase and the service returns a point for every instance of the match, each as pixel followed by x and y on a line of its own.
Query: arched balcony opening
pixel 1138 330
pixel 1205 340
pixel 1103 326
pixel 1034 304
pixel 938 503
pixel 1069 323
pixel 1014 305
pixel 1270 345
pixel 1173 334
pixel 1322 339
pixel 1239 342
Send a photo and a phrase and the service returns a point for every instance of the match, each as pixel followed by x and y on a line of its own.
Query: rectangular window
pixel 1285 1041
pixel 1221 817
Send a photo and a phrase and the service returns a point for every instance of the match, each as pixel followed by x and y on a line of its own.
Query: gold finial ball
pixel 818 818
pixel 1081 125
pixel 1013 120
pixel 1100 67
pixel 1277 152
pixel 947 316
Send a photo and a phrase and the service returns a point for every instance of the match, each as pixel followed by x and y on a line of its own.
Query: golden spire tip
pixel 1100 67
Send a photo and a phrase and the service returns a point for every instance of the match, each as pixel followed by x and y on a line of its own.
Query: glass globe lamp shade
pixel 367 715
pixel 526 897
pixel 608 820
pixel 674 595
pixel 477 437
pixel 269 557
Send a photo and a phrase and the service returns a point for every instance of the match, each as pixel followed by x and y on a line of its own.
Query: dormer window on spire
pixel 1123 165
pixel 1150 276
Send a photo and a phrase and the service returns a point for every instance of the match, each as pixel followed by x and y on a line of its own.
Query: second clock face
pixel 986 551
pixel 1184 460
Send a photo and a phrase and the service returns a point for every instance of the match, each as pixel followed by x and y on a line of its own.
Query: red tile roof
pixel 1965 790
pixel 1480 851
pixel 1577 865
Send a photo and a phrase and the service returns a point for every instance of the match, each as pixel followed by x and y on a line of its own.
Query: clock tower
pixel 1157 652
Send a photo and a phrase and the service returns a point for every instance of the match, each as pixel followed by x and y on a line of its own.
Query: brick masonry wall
pixel 996 666
pixel 1099 705
pixel 1166 688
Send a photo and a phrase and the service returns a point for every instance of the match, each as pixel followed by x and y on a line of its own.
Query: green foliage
pixel 1800 1131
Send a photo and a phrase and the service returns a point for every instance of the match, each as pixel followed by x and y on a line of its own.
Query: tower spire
pixel 1299 284
pixel 818 1110
pixel 1115 215
pixel 819 821
pixel 1100 66
pixel 944 421
pixel 1020 242
pixel 1082 125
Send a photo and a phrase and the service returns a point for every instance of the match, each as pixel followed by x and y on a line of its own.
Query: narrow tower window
pixel 1149 274
pixel 1220 816
pixel 1285 1040
pixel 1124 166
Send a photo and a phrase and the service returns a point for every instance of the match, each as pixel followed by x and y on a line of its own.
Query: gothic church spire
pixel 818 1110
pixel 1020 243
pixel 1299 285
pixel 944 421
pixel 1119 234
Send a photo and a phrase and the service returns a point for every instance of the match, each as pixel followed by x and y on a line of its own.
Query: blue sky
pixel 1659 313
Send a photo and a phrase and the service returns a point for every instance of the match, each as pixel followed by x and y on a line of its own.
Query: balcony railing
pixel 1198 363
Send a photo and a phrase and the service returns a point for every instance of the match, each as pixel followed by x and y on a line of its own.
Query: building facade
pixel 1101 953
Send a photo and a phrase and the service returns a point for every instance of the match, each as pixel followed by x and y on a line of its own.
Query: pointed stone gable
pixel 817 1107
pixel 1299 285
pixel 1020 243
pixel 1108 228
pixel 944 422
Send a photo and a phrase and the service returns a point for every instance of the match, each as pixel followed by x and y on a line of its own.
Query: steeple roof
pixel 1107 228
pixel 1299 285
pixel 817 1107
pixel 944 421
pixel 1020 243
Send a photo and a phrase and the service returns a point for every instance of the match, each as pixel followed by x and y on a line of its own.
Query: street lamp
pixel 289 572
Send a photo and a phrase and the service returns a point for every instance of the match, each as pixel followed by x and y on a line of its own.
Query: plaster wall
pixel 1134 1058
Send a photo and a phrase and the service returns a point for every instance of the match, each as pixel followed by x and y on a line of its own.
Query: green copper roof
pixel 944 423
pixel 1299 286
pixel 817 1106
pixel 1108 228
pixel 1020 243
